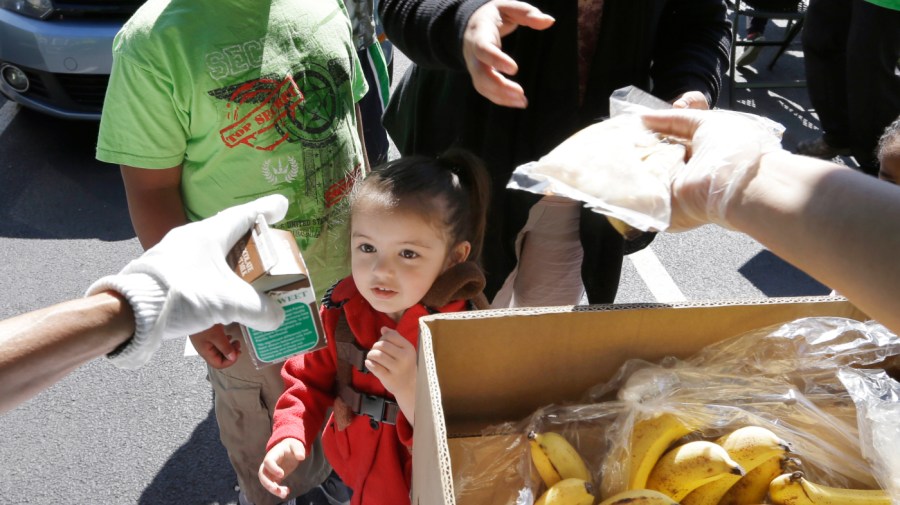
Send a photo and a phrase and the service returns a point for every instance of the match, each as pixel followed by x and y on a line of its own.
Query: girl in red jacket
pixel 416 226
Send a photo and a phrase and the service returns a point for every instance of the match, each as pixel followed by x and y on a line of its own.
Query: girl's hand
pixel 393 361
pixel 279 462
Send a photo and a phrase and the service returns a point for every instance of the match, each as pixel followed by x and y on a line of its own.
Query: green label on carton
pixel 296 335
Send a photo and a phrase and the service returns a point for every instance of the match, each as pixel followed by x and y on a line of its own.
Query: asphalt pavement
pixel 149 437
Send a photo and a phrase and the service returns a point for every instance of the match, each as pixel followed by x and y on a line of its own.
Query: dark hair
pixel 452 188
pixel 889 143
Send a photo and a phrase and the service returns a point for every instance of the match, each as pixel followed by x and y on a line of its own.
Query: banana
pixel 562 456
pixel 639 497
pixel 794 489
pixel 650 439
pixel 753 487
pixel 543 464
pixel 689 466
pixel 571 491
pixel 749 446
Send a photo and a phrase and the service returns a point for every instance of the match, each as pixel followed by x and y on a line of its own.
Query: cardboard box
pixel 477 369
pixel 270 260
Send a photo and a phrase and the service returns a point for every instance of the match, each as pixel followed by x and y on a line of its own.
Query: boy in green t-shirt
pixel 213 103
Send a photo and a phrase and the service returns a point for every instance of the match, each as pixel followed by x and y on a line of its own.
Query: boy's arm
pixel 156 206
pixel 154 201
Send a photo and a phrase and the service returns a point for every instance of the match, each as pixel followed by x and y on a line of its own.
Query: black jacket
pixel 666 47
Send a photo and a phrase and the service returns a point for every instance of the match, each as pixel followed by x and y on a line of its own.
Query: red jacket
pixel 373 459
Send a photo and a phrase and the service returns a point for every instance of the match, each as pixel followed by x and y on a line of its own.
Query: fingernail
pixel 231 356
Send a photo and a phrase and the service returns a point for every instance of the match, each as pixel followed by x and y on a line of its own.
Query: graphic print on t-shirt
pixel 303 107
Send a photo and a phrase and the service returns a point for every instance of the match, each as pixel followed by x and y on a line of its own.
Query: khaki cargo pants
pixel 245 401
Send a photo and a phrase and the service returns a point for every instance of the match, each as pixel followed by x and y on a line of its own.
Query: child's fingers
pixel 377 360
pixel 392 339
pixel 272 469
pixel 268 479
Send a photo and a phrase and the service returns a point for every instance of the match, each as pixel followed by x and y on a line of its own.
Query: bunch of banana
pixel 556 459
pixel 794 489
pixel 689 466
pixel 639 497
pixel 753 487
pixel 750 447
pixel 571 491
pixel 650 438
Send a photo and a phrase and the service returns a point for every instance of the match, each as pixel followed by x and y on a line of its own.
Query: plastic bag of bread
pixel 617 167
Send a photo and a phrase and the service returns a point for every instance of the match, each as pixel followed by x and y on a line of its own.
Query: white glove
pixel 184 285
pixel 724 155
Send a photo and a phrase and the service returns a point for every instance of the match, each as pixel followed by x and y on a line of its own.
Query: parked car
pixel 56 55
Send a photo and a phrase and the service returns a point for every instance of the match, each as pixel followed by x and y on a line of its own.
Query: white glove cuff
pixel 147 297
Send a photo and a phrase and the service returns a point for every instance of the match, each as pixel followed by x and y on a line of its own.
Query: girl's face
pixel 396 257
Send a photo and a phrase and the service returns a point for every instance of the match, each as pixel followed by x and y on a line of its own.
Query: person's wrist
pixel 147 297
pixel 755 196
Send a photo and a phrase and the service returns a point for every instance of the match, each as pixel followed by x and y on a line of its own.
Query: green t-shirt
pixel 887 4
pixel 251 98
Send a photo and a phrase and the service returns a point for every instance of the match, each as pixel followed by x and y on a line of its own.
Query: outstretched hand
pixel 184 284
pixel 723 155
pixel 486 62
pixel 281 461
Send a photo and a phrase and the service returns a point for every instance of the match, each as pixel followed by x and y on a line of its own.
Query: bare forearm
pixel 154 202
pixel 838 225
pixel 39 348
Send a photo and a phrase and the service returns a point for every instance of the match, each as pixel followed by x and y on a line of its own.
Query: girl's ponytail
pixel 474 179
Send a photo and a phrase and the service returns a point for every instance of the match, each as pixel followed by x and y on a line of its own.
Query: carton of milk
pixel 270 261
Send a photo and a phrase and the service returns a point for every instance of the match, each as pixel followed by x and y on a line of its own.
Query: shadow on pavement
pixel 53 188
pixel 776 277
pixel 198 473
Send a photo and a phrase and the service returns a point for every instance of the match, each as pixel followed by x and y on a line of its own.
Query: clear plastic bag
pixel 800 380
pixel 617 167
pixel 625 171
pixel 877 398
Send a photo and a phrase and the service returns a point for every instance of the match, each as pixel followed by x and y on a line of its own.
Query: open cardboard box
pixel 481 368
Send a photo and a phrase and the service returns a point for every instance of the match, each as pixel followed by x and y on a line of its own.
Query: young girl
pixel 416 228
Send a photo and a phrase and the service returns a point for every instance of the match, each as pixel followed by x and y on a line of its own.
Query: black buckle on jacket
pixel 378 408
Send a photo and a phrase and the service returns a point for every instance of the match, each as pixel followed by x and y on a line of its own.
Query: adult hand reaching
pixel 486 61
pixel 835 223
pixel 184 285
pixel 724 152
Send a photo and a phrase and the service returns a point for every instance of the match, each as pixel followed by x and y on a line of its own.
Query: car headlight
pixel 32 8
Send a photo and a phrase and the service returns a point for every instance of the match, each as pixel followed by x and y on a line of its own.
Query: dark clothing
pixel 665 47
pixel 851 49
pixel 371 110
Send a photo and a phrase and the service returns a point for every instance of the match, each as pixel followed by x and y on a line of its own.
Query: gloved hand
pixel 723 155
pixel 184 285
